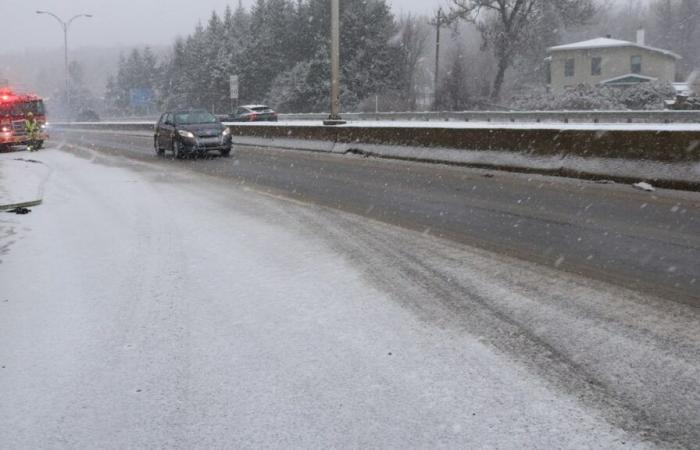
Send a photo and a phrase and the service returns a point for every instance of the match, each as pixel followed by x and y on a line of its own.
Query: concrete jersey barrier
pixel 668 155
pixel 663 145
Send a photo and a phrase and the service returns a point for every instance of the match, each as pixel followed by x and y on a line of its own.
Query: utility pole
pixel 439 22
pixel 65 25
pixel 335 118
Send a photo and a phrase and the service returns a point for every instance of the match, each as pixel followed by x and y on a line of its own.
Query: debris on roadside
pixel 20 210
pixel 488 175
pixel 604 182
pixel 642 186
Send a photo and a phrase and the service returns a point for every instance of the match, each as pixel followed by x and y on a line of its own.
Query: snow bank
pixel 21 181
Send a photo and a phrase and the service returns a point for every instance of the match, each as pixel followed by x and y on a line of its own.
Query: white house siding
pixel 616 62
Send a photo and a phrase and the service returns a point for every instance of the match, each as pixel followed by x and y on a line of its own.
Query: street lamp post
pixel 335 118
pixel 66 26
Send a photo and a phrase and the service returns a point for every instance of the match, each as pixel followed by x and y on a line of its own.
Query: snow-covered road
pixel 144 306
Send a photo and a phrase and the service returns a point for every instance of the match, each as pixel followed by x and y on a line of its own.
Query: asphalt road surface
pixel 649 242
pixel 147 305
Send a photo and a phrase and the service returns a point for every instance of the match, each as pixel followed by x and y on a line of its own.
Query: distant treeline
pixel 280 51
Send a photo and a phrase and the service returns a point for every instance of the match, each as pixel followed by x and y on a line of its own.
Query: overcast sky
pixel 121 22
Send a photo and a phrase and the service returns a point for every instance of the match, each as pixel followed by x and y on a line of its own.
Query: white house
pixel 606 61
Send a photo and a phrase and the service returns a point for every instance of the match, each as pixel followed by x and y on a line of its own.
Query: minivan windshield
pixel 194 117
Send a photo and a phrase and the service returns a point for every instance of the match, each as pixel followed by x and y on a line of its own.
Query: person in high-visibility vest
pixel 33 131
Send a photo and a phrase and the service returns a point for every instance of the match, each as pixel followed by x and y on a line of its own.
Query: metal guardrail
pixel 519 116
pixel 662 116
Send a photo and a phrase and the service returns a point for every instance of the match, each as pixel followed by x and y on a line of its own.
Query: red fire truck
pixel 14 111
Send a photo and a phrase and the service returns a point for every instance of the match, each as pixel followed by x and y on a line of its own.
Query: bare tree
pixel 454 93
pixel 694 82
pixel 676 24
pixel 413 35
pixel 511 26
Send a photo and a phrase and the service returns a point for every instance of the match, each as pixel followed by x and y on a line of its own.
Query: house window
pixel 596 66
pixel 636 64
pixel 569 67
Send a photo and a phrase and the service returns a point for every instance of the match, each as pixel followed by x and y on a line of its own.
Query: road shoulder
pixel 22 180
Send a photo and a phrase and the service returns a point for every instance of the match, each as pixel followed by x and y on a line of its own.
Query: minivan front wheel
pixel 156 146
pixel 177 149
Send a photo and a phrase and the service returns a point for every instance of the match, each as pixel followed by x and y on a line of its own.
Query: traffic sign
pixel 233 82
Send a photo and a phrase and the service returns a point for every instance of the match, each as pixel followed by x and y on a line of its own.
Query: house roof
pixel 608 43
pixel 630 78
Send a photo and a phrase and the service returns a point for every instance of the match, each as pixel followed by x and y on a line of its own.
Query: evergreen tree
pixel 370 55
pixel 81 98
pixel 134 88
pixel 453 94
pixel 268 54
pixel 280 50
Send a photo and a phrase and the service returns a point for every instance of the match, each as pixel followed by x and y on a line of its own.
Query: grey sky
pixel 126 22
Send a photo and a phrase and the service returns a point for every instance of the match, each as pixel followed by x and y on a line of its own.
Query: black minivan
pixel 191 132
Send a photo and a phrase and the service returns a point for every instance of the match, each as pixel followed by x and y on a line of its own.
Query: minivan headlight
pixel 226 131
pixel 186 134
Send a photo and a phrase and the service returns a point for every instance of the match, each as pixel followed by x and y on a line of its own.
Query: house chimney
pixel 641 35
